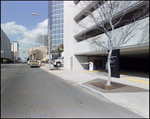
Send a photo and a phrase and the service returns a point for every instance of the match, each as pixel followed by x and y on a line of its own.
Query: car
pixel 23 62
pixel 34 64
pixel 47 61
pixel 58 62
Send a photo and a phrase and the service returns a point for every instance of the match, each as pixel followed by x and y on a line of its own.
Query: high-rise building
pixel 55 23
pixel 15 50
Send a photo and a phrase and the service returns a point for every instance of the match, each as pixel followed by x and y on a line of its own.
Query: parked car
pixel 47 61
pixel 23 62
pixel 34 64
pixel 58 62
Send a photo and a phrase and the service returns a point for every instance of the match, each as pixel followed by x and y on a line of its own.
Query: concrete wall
pixel 68 33
pixel 88 21
pixel 140 37
pixel 5 46
pixel 80 63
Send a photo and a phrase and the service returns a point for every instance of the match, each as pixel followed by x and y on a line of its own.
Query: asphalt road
pixel 33 92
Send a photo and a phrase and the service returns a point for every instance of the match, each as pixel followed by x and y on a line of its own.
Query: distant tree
pixel 59 49
pixel 42 39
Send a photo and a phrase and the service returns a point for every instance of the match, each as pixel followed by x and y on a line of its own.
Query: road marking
pixel 3 69
pixel 139 80
pixel 95 71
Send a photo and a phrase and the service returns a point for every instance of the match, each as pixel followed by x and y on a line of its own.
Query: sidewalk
pixel 133 96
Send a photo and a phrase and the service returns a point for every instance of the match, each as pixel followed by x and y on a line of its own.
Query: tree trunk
pixel 109 69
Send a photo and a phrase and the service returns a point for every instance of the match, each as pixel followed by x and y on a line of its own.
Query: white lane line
pixel 3 69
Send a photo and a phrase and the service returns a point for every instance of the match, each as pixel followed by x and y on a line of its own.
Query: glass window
pixel 57 16
pixel 58 6
pixel 52 42
pixel 57 12
pixel 57 2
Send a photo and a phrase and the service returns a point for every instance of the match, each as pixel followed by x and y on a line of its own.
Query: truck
pixel 59 61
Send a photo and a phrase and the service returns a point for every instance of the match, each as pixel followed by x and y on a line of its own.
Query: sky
pixel 20 25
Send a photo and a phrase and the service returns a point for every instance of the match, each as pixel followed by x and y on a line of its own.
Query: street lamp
pixel 34 14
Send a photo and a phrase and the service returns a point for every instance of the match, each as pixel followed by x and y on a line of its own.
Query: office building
pixel 5 48
pixel 55 23
pixel 15 50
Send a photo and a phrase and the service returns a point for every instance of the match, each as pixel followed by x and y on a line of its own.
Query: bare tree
pixel 43 39
pixel 109 15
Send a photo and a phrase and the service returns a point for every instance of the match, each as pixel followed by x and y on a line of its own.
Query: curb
pixel 103 94
pixel 93 90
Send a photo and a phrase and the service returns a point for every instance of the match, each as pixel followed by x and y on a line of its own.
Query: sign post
pixel 115 63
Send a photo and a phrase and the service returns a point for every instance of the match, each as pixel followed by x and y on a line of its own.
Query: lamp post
pixel 34 14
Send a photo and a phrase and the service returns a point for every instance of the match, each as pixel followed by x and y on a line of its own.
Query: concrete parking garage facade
pixel 77 52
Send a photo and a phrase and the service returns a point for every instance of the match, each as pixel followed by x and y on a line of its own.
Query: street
pixel 33 92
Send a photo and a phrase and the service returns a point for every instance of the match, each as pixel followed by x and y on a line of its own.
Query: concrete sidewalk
pixel 134 96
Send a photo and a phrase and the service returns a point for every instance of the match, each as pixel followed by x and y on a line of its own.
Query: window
pixel 57 16
pixel 57 12
pixel 57 2
pixel 57 26
pixel 57 7
pixel 57 21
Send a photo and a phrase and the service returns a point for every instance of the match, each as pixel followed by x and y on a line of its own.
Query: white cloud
pixel 11 28
pixel 43 24
pixel 27 41
pixel 26 38
pixel 24 35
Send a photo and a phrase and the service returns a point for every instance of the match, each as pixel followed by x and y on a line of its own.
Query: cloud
pixel 26 38
pixel 24 35
pixel 43 24
pixel 27 41
pixel 11 28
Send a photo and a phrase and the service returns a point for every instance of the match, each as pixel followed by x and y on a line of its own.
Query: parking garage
pixel 133 60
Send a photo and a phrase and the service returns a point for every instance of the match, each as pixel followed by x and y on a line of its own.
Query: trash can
pixel 95 67
pixel 90 66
